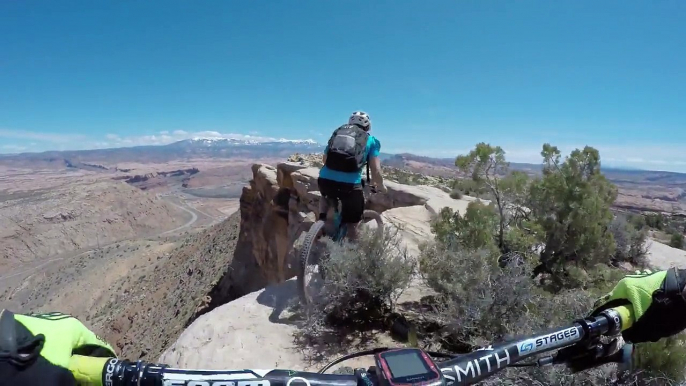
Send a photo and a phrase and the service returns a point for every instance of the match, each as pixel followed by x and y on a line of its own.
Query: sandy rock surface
pixel 664 256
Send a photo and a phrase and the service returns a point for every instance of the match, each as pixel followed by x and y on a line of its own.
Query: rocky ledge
pixel 276 209
pixel 254 330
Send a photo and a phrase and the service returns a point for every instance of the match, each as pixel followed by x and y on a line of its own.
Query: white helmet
pixel 361 119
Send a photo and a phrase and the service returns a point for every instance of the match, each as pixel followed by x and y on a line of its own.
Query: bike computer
pixel 407 366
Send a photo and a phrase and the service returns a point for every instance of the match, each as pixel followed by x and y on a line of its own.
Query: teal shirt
pixel 372 150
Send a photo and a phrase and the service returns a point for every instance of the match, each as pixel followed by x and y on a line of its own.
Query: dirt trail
pixel 42 264
pixel 194 218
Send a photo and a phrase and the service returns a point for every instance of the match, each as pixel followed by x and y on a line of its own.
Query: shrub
pixel 637 221
pixel 630 242
pixel 571 202
pixel 523 240
pixel 363 281
pixel 470 187
pixel 456 194
pixel 655 220
pixel 492 304
pixel 477 301
pixel 475 229
pixel 665 358
pixel 676 240
pixel 486 165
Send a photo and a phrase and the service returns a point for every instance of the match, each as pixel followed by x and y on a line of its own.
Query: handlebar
pixel 368 186
pixel 575 343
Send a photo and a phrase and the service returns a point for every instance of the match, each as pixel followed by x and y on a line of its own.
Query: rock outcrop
pixel 280 204
pixel 276 209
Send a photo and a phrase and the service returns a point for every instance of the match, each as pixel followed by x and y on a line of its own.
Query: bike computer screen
pixel 408 366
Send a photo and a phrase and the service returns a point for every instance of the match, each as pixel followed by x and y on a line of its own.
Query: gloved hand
pixel 658 303
pixel 35 349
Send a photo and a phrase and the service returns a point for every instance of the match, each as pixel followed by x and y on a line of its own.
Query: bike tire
pixel 305 254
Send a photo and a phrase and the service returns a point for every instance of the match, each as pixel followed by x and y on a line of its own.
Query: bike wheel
pixel 369 215
pixel 306 263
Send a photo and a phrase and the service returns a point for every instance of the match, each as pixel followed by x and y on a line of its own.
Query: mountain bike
pixel 313 248
pixel 579 346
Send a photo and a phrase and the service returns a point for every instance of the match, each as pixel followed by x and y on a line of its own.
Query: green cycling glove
pixel 35 349
pixel 657 300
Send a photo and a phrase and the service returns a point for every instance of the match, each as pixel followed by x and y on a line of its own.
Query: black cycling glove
pixel 36 349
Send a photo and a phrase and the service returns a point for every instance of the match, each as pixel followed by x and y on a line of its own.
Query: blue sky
pixel 436 76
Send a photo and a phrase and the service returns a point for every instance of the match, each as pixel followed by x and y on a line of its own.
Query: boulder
pixel 254 331
pixel 249 332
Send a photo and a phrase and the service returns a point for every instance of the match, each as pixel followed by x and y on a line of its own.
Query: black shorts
pixel 351 196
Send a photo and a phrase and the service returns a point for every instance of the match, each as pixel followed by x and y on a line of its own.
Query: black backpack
pixel 347 147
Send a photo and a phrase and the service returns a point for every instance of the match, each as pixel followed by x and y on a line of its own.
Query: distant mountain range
pixel 615 174
pixel 278 148
pixel 188 148
pixel 230 142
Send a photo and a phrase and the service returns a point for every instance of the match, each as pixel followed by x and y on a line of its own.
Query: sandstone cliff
pixel 280 204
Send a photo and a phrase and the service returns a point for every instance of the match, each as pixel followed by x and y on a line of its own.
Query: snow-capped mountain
pixel 228 142
pixel 245 147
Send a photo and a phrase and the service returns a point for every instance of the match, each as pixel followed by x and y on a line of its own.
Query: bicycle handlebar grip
pixel 88 370
pixel 626 316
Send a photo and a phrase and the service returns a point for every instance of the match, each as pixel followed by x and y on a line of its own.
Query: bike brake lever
pixel 577 359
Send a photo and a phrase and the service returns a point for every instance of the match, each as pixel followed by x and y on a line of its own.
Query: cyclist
pixel 35 349
pixel 348 150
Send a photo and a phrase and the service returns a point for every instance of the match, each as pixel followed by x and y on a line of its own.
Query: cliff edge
pixel 253 330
